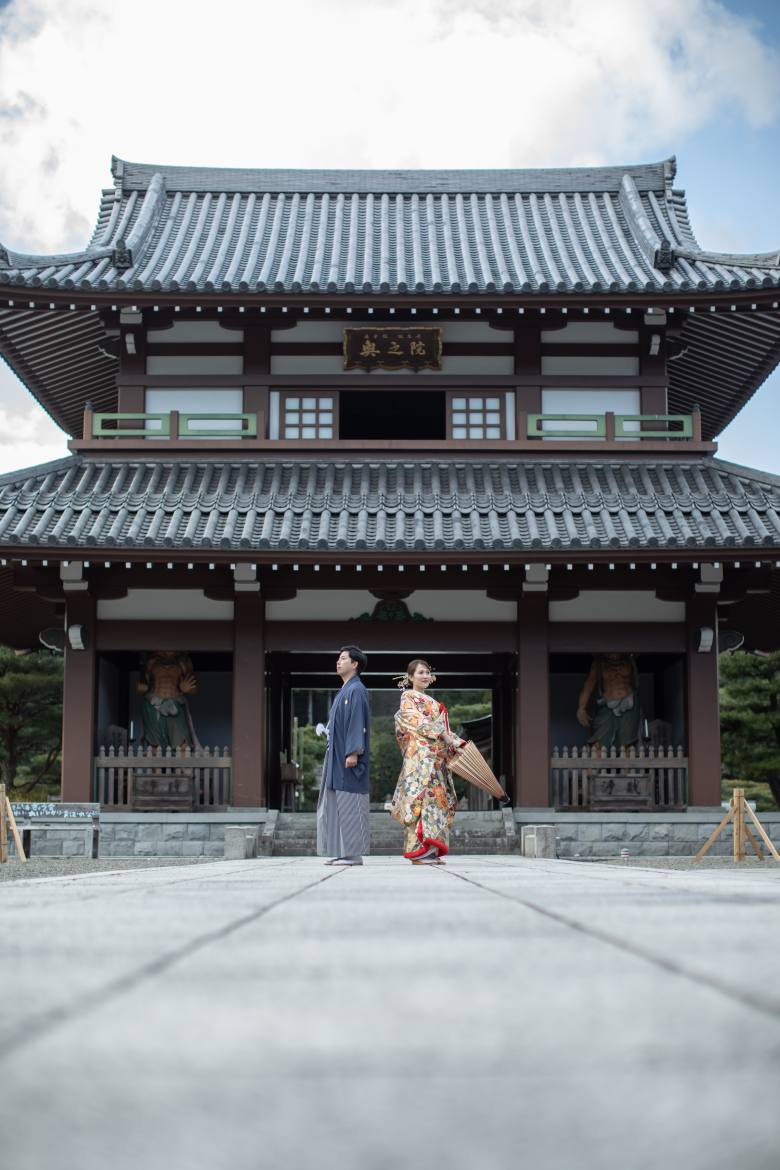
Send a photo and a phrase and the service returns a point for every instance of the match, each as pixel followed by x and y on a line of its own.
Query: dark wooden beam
pixel 529 448
pixel 375 681
pixel 703 703
pixel 410 638
pixel 182 635
pixel 336 349
pixel 78 702
pixel 532 734
pixel 385 663
pixel 607 637
pixel 248 749
pixel 431 381
pixel 289 307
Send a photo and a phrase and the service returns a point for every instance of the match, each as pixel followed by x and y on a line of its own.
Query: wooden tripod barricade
pixel 7 820
pixel 736 817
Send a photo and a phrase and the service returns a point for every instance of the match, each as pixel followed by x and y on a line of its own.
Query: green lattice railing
pixel 606 427
pixel 105 426
pixel 609 426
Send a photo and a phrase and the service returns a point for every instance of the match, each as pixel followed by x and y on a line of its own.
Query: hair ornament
pixel 402 681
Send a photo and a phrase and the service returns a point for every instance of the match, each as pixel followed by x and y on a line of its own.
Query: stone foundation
pixel 577 835
pixel 172 834
pixel 594 835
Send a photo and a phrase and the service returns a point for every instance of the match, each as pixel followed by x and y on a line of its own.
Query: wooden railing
pixel 639 778
pixel 147 779
pixel 172 424
pixel 610 427
pixel 533 431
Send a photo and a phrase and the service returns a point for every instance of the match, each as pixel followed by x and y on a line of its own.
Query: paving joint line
pixel 633 876
pixel 114 892
pixel 36 1026
pixel 758 1003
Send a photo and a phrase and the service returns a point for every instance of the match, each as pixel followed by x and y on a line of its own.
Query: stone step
pixel 473 832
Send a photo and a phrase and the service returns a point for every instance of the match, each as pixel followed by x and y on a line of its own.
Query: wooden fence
pixel 634 778
pixel 170 779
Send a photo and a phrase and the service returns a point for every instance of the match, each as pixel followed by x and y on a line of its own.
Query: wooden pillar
pixel 257 365
pixel 703 703
pixel 78 701
pixel 275 740
pixel 503 724
pixel 527 360
pixel 532 747
pixel 248 751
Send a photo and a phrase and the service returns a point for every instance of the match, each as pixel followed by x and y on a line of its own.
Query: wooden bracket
pixel 736 816
pixel 7 820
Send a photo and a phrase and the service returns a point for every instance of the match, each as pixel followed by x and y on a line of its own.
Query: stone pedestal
pixel 538 841
pixel 239 844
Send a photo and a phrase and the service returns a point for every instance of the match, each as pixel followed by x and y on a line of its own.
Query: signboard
pixel 416 347
pixel 53 811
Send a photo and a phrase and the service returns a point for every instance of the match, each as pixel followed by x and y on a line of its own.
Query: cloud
pixel 27 435
pixel 354 83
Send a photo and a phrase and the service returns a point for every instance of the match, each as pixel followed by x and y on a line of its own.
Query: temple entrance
pixel 476 688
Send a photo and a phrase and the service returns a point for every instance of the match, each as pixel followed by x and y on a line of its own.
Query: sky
pixel 387 83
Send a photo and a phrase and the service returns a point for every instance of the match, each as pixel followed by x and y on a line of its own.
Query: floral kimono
pixel 424 801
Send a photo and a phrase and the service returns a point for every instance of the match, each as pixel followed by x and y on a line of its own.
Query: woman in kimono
pixel 424 801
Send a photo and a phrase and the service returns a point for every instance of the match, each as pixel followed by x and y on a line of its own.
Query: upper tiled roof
pixel 402 507
pixel 614 229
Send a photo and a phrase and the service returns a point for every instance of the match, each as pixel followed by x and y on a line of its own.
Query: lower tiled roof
pixel 396 505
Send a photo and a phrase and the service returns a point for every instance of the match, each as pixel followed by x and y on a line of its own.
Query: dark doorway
pixel 381 414
pixel 301 687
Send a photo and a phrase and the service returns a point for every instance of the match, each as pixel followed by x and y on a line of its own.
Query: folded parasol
pixel 472 766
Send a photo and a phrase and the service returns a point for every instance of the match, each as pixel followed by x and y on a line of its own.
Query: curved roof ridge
pixel 24 261
pixel 739 259
pixel 396 180
pixel 39 470
pixel 119 249
pixel 742 472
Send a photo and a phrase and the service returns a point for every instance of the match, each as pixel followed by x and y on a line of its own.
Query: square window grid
pixel 476 417
pixel 308 418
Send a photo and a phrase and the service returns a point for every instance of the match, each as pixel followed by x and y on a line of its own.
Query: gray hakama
pixel 343 824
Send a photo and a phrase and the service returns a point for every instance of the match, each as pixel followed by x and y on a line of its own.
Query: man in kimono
pixel 342 810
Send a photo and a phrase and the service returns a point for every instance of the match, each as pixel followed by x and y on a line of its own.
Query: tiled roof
pixel 409 506
pixel 189 229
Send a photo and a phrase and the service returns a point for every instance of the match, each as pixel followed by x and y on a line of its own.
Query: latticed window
pixel 475 417
pixel 308 418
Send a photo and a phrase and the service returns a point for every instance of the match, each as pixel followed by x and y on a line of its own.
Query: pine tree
pixel 30 719
pixel 750 718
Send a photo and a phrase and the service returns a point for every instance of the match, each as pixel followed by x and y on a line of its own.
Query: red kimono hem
pixel 426 843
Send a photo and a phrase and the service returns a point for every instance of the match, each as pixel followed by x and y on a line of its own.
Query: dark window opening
pixel 379 414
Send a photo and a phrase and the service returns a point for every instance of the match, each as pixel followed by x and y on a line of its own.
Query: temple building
pixel 470 415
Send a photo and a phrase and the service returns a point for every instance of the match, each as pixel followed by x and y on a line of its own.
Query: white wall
pixel 617 605
pixel 588 402
pixel 197 331
pixel 192 364
pixel 590 365
pixel 223 401
pixel 589 333
pixel 163 605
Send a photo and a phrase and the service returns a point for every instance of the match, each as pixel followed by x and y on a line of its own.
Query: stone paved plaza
pixel 496 1012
